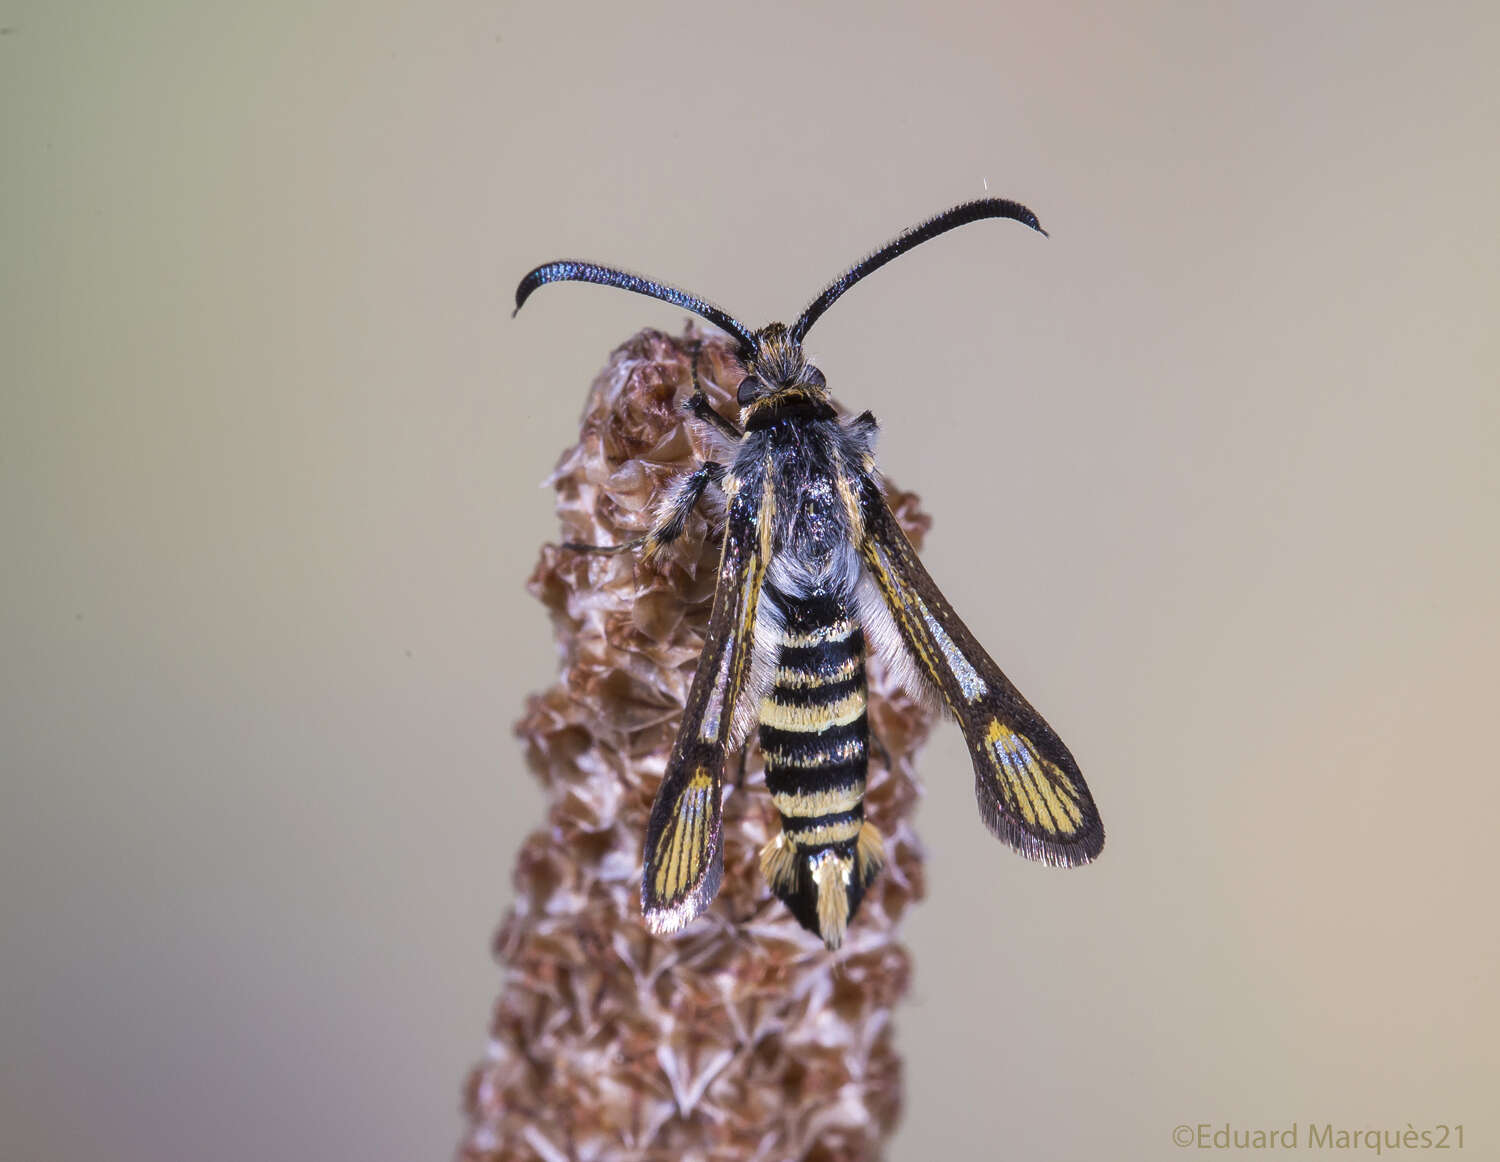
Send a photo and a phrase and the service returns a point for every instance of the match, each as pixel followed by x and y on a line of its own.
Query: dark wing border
pixel 1030 790
pixel 683 859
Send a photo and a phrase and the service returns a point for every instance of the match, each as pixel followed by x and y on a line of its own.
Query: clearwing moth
pixel 813 567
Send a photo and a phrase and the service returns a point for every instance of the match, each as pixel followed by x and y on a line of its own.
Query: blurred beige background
pixel 1213 468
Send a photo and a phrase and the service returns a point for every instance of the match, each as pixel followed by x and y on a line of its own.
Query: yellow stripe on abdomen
pixel 826 834
pixel 815 804
pixel 794 679
pixel 812 719
pixel 834 631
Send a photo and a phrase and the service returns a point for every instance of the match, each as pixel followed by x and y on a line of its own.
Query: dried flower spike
pixel 740 1037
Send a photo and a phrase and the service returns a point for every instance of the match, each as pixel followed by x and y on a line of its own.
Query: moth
pixel 814 572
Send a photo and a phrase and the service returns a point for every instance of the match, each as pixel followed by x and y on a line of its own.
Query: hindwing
pixel 1031 793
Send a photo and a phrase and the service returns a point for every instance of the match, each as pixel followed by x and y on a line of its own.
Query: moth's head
pixel 779 380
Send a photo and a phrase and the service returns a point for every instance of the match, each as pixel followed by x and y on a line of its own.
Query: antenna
pixel 569 271
pixel 941 224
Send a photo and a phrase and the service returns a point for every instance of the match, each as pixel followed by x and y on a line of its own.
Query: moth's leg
pixel 698 405
pixel 671 520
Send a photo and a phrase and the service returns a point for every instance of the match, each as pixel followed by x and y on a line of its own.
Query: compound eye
pixel 814 377
pixel 750 388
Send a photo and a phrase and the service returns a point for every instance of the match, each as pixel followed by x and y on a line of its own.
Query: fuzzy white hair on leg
pixel 673 496
pixel 714 507
pixel 710 505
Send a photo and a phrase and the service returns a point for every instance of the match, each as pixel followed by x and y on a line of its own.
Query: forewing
pixel 684 860
pixel 1031 793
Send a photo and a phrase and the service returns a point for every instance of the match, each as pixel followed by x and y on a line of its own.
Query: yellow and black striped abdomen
pixel 814 738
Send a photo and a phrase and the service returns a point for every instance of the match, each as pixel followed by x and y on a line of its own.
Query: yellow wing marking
pixel 683 847
pixel 1040 790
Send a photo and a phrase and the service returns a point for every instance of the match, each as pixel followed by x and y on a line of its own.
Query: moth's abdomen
pixel 814 738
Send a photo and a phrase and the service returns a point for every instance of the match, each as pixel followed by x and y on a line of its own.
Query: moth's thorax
pixel 810 467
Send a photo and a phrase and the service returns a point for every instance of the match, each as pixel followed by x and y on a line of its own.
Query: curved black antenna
pixel 567 271
pixel 941 224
